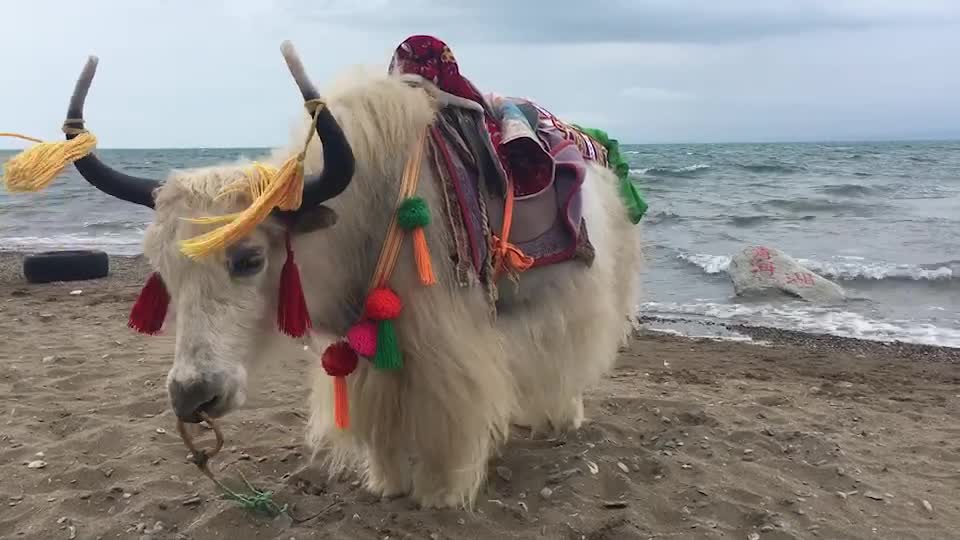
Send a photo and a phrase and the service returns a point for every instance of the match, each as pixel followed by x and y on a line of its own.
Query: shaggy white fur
pixel 426 430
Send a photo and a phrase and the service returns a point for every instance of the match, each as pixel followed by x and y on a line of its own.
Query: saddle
pixel 504 161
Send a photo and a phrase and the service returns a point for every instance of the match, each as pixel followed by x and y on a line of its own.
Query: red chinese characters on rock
pixel 801 279
pixel 761 253
pixel 761 262
pixel 763 267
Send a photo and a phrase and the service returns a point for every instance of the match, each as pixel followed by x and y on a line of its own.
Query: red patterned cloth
pixel 433 60
pixel 529 169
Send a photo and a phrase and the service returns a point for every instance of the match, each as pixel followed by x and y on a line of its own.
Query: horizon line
pixel 663 143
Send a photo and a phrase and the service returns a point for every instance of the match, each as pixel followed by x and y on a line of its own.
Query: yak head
pixel 220 304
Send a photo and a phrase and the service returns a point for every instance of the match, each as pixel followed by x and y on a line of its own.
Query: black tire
pixel 74 265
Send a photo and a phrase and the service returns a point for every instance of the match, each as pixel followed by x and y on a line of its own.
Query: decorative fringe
pixel 282 189
pixel 338 361
pixel 36 167
pixel 293 317
pixel 636 205
pixel 150 309
pixel 383 305
pixel 413 215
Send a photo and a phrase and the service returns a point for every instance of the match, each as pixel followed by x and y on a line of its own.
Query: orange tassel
pixel 339 360
pixel 421 255
pixel 413 215
pixel 341 403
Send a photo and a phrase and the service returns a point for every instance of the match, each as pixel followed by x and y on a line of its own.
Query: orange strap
pixel 507 256
pixel 390 250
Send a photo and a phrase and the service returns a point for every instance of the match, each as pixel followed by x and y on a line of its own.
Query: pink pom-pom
pixel 363 338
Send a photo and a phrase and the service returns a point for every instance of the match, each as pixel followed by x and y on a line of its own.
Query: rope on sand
pixel 257 500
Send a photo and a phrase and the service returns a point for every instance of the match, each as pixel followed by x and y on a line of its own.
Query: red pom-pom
pixel 339 360
pixel 150 309
pixel 363 338
pixel 383 304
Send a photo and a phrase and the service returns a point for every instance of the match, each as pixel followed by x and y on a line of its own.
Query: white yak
pixel 426 430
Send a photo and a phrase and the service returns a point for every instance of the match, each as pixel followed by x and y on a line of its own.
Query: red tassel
pixel 293 318
pixel 150 309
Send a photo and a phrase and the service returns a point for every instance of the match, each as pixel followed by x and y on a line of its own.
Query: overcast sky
pixel 188 73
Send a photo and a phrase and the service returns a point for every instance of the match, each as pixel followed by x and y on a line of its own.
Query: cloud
pixel 629 21
pixel 655 94
pixel 193 74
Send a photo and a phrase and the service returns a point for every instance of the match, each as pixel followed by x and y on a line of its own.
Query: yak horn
pixel 338 160
pixel 108 180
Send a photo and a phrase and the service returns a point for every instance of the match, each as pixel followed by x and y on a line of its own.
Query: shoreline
pixel 133 269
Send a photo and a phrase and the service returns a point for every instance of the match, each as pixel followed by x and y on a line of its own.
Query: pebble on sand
pixel 38 464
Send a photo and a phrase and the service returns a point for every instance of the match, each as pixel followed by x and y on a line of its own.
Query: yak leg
pixel 388 472
pixel 458 420
pixel 374 433
pixel 378 423
pixel 564 324
pixel 450 474
pixel 457 405
pixel 566 416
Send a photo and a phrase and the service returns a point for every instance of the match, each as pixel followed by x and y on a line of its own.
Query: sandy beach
pixel 800 437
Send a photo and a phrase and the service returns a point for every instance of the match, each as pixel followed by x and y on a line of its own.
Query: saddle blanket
pixel 481 145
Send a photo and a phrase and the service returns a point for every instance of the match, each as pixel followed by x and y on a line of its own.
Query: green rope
pixel 636 206
pixel 257 500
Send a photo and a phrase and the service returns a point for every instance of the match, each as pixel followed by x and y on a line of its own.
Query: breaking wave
pixel 819 205
pixel 700 169
pixel 113 243
pixel 689 171
pixel 750 221
pixel 848 190
pixel 844 269
pixel 711 264
pixel 804 317
pixel 771 168
pixel 864 270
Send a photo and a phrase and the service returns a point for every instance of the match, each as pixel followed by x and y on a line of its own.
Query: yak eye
pixel 246 262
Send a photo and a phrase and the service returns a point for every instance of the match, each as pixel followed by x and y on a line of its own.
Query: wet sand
pixel 804 437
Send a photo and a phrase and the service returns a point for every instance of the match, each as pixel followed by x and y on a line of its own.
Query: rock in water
pixel 760 269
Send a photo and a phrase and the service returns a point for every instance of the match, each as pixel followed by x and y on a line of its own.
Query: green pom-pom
pixel 413 213
pixel 388 350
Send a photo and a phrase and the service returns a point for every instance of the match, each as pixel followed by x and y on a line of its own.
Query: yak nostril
pixel 190 399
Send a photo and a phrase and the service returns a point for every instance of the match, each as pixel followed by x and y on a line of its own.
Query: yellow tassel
pixel 254 182
pixel 269 188
pixel 36 167
pixel 421 255
pixel 213 220
pixel 283 190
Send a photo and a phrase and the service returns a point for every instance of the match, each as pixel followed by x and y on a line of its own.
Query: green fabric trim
pixel 636 206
